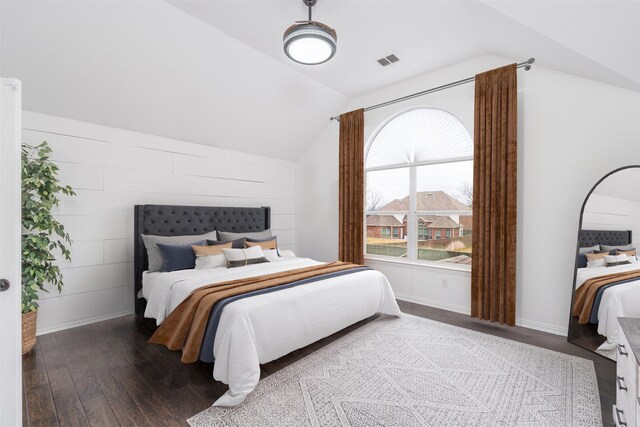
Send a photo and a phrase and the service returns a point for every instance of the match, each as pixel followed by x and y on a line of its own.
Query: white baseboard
pixel 82 322
pixel 543 327
pixel 530 324
pixel 433 303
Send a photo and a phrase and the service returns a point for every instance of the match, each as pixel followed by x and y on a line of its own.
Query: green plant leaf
pixel 42 232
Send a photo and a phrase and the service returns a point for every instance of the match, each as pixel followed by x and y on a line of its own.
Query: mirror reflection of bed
pixel 607 279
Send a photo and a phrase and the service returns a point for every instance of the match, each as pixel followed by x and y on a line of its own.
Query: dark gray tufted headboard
pixel 172 220
pixel 588 238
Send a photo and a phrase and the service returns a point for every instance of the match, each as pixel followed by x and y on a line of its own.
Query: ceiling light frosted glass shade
pixel 310 43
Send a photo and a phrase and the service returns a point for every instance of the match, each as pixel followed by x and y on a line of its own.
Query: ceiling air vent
pixel 388 60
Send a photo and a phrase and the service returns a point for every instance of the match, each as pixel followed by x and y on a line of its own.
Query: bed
pixel 255 330
pixel 619 299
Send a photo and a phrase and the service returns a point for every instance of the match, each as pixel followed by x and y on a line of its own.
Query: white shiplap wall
pixel 112 170
pixel 611 213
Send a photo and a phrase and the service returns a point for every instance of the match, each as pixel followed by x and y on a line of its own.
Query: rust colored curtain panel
pixel 351 187
pixel 493 268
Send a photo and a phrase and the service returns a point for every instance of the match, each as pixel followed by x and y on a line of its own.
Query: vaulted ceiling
pixel 213 72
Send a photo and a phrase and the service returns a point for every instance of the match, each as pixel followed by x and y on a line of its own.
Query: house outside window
pixel 418 181
pixel 423 231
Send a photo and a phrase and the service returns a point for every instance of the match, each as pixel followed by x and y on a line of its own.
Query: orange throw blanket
pixel 185 326
pixel 586 294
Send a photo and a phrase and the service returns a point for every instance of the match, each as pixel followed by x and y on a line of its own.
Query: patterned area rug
pixel 608 353
pixel 411 371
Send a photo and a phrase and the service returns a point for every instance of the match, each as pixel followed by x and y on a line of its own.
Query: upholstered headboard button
pixel 587 238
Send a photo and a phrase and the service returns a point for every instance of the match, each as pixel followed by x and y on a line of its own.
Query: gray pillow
pixel 613 248
pixel 153 253
pixel 227 236
pixel 595 248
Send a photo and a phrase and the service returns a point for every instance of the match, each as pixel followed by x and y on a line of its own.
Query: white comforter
pixel 617 301
pixel 265 327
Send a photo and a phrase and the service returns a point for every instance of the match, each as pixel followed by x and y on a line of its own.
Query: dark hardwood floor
pixel 107 374
pixel 586 336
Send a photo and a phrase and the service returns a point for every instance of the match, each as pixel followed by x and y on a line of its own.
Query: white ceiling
pixel 213 72
pixel 429 35
pixel 147 66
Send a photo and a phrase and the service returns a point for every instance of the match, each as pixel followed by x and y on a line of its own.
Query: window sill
pixel 422 265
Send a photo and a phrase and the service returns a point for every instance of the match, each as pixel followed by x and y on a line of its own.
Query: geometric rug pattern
pixel 411 371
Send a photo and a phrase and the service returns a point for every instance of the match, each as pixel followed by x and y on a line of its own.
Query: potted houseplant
pixel 43 236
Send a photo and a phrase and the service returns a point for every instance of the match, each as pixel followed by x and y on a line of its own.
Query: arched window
pixel 419 186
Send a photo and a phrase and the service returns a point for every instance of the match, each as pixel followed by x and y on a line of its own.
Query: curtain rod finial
pixel 529 62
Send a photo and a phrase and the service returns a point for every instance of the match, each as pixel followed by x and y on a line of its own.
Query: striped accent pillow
pixel 614 260
pixel 241 257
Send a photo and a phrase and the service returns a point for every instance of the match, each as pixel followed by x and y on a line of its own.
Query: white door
pixel 10 290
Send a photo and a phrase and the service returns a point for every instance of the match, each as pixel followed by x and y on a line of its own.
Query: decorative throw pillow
pixel 271 254
pixel 615 248
pixel 237 244
pixel 153 253
pixel 584 250
pixel 178 257
pixel 270 243
pixel 631 254
pixel 240 257
pixel 582 259
pixel 596 260
pixel 208 250
pixel 613 260
pixel 211 261
pixel 227 236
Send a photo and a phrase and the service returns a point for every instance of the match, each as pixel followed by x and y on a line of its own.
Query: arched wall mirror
pixel 607 275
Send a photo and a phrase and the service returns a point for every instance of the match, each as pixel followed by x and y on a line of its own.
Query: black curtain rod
pixel 526 65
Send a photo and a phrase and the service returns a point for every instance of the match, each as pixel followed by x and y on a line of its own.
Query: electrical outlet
pixel 445 283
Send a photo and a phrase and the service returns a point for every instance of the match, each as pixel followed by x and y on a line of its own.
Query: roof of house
pixel 443 222
pixel 382 220
pixel 427 218
pixel 427 201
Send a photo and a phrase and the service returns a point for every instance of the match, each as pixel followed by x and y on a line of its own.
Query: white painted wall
pixel 571 132
pixel 611 213
pixel 112 170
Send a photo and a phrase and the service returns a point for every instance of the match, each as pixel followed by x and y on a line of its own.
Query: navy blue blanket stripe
pixel 593 317
pixel 206 350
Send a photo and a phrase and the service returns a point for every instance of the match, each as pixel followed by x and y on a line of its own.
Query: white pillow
pixel 210 261
pixel 271 254
pixel 616 259
pixel 599 262
pixel 287 253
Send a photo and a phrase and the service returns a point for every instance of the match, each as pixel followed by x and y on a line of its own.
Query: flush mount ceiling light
pixel 310 42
